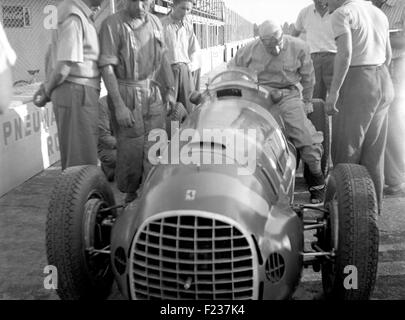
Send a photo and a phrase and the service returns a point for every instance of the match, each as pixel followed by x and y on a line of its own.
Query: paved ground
pixel 22 244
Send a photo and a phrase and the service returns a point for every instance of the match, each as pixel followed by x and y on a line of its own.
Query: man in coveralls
pixel 283 62
pixel 132 53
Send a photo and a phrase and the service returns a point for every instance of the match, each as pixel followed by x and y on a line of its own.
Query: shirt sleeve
pixel 240 59
pixel 7 54
pixel 340 22
pixel 193 42
pixel 299 26
pixel 307 74
pixel 109 44
pixel 70 41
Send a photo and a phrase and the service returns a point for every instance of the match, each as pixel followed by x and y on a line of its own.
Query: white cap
pixel 268 28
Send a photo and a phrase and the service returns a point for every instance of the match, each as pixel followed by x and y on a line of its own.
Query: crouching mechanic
pixel 281 63
pixel 132 53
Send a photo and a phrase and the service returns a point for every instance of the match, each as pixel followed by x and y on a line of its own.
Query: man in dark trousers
pixel 73 82
pixel 361 89
pixel 395 151
pixel 132 54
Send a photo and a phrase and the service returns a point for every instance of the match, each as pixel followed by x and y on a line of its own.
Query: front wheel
pixel 351 233
pixel 78 233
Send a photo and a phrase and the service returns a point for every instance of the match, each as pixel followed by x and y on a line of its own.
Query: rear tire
pixel 73 226
pixel 352 233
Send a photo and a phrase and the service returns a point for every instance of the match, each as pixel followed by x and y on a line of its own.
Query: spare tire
pixel 351 233
pixel 74 227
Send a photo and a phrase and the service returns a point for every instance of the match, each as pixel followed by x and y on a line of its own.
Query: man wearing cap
pixel 132 54
pixel 394 167
pixel 282 62
pixel 361 89
pixel 73 82
pixel 315 22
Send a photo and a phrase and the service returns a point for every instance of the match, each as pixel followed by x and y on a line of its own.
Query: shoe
pixel 398 190
pixel 317 194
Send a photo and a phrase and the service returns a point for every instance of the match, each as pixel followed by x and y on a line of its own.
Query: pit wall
pixel 28 143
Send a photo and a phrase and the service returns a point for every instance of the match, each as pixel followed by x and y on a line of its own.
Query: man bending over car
pixel 282 62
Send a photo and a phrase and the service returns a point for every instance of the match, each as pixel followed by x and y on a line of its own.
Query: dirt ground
pixel 22 245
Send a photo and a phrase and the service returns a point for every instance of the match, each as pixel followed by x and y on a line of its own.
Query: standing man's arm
pixel 6 88
pixel 341 66
pixel 299 25
pixel 388 52
pixel 7 59
pixel 194 52
pixel 397 39
pixel 343 35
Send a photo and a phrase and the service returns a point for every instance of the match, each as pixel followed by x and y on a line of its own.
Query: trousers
pixel 145 102
pixel 359 131
pixel 76 113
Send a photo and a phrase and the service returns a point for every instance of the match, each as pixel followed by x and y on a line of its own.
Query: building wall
pixel 29 42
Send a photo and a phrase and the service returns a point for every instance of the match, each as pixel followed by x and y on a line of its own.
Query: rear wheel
pixel 77 234
pixel 351 233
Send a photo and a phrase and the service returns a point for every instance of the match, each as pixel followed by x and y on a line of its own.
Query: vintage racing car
pixel 207 230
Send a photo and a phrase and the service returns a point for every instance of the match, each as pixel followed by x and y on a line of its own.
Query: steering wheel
pixel 242 73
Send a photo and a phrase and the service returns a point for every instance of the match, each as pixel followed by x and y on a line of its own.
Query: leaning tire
pixel 352 233
pixel 320 120
pixel 74 227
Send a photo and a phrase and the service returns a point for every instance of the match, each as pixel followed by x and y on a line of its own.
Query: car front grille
pixel 202 256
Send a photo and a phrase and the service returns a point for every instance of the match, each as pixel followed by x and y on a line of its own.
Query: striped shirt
pixel 395 12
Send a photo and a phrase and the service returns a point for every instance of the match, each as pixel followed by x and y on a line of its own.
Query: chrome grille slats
pixel 192 256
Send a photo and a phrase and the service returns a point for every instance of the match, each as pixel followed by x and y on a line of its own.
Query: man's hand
pixel 171 101
pixel 308 107
pixel 330 104
pixel 124 116
pixel 40 97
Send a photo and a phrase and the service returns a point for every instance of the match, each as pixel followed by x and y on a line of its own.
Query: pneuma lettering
pixel 20 128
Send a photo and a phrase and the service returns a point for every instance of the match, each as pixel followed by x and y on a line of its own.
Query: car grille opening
pixel 191 257
pixel 275 268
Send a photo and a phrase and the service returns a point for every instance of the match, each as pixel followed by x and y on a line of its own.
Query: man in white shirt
pixel 315 22
pixel 395 151
pixel 361 89
pixel 7 60
pixel 183 48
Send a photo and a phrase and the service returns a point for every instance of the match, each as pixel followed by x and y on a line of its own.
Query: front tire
pixel 74 227
pixel 352 233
